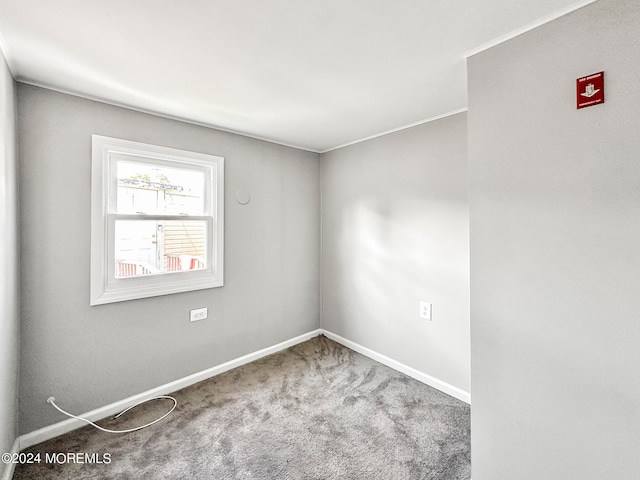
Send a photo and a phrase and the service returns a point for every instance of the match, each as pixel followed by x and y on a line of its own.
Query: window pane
pixel 149 189
pixel 151 247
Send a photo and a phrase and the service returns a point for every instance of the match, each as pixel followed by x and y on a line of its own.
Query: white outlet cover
pixel 425 310
pixel 198 314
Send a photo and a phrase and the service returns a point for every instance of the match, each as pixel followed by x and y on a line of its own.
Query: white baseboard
pixel 60 428
pixel 412 372
pixel 9 468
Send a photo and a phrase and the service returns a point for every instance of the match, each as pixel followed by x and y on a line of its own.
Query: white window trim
pixel 105 288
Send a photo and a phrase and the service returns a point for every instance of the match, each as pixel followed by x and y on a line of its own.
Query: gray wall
pixel 9 261
pixel 395 231
pixel 555 251
pixel 88 357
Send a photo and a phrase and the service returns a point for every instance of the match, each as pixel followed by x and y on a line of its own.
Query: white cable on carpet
pixel 51 400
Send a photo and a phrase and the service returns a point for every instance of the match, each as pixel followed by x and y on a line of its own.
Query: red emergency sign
pixel 590 90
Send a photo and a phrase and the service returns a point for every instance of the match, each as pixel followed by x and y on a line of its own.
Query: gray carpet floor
pixel 314 411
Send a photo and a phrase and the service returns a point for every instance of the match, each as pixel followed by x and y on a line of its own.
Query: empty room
pixel 320 239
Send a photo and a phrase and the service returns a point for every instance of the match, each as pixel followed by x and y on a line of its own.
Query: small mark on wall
pixel 243 197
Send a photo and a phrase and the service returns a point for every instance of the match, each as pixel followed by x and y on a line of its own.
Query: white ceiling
pixel 315 74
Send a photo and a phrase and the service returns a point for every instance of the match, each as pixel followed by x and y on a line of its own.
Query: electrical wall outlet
pixel 199 314
pixel 425 310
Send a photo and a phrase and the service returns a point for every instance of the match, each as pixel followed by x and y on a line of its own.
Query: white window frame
pixel 105 286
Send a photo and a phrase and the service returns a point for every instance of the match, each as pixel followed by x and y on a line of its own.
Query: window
pixel 156 220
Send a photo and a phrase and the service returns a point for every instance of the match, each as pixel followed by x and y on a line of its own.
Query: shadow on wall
pixel 392 255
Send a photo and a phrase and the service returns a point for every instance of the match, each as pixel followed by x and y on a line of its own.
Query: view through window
pixel 154 246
